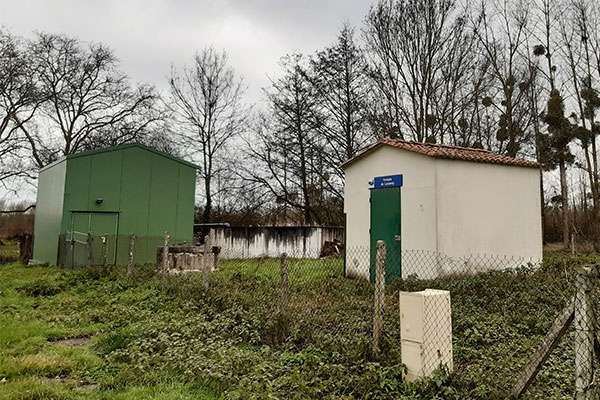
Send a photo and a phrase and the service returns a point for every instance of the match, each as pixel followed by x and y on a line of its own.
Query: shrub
pixel 41 288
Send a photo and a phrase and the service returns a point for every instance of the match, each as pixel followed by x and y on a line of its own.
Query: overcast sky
pixel 149 35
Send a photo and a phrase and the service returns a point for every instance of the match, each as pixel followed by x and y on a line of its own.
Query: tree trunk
pixel 543 216
pixel 565 203
pixel 595 198
pixel 595 184
pixel 208 207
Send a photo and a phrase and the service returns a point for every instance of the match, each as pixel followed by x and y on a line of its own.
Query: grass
pixel 73 304
pixel 176 340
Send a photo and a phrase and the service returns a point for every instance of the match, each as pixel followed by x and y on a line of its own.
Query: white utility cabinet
pixel 425 332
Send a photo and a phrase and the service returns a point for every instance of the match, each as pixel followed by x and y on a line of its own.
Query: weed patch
pixel 41 288
pixel 232 342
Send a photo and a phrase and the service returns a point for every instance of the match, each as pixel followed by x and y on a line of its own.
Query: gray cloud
pixel 148 36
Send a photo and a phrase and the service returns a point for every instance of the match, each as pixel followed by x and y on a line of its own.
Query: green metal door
pixel 104 223
pixel 99 224
pixel 386 226
pixel 80 224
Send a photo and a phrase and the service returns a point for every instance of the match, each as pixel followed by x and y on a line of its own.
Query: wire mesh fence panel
pixel 483 321
pixel 501 308
pixel 497 311
pixel 584 331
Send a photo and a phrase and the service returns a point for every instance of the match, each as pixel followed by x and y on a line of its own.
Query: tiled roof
pixel 448 152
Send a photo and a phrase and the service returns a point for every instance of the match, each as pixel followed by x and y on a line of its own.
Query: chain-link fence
pixel 491 321
pixel 494 325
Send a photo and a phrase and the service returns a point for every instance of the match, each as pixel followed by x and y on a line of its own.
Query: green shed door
pixel 104 223
pixel 80 224
pixel 99 224
pixel 386 226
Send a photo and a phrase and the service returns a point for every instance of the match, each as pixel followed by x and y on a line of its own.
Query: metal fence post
pixel 165 260
pixel 90 250
pixel 131 248
pixel 584 336
pixel 284 283
pixel 206 260
pixel 379 300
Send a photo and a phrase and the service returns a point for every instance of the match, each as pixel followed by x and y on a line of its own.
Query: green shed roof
pixel 129 145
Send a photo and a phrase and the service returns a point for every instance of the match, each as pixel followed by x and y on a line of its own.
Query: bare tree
pixel 560 135
pixel 580 47
pixel 18 99
pixel 552 147
pixel 338 75
pixel 83 96
pixel 409 42
pixel 587 17
pixel 458 116
pixel 284 151
pixel 502 34
pixel 206 99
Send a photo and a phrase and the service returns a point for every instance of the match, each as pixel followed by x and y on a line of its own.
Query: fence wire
pixel 481 320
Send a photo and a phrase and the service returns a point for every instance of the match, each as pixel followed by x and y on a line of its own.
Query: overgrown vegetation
pixel 232 341
pixel 9 250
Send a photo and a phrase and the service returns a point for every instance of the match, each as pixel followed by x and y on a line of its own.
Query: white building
pixel 452 210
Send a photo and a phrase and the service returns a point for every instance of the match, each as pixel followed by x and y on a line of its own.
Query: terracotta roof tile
pixel 448 152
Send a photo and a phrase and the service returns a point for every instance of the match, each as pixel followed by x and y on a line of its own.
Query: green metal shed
pixel 115 191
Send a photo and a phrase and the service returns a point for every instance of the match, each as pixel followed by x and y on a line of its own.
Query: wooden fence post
pixel 584 336
pixel 72 250
pixel 206 260
pixel 25 248
pixel 285 289
pixel 105 249
pixel 90 250
pixel 131 248
pixel 165 260
pixel 379 300
pixel 551 340
pixel 578 311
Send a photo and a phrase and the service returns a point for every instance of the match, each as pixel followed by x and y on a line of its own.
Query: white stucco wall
pixel 487 212
pixel 418 211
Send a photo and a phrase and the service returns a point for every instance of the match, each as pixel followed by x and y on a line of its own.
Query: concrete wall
pixel 254 242
pixel 487 211
pixel 48 213
pixel 418 212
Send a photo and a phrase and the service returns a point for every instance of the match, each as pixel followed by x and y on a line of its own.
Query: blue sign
pixel 387 181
